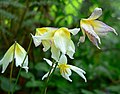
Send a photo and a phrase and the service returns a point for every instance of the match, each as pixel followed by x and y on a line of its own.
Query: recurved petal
pixel 79 71
pixel 63 59
pixel 36 40
pixel 48 61
pixel 46 75
pixel 8 57
pixel 55 52
pixel 74 31
pixel 93 37
pixel 102 28
pixel 66 74
pixel 95 14
pixel 93 40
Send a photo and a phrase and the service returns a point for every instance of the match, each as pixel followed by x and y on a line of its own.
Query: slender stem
pixel 12 68
pixel 22 65
pixel 48 77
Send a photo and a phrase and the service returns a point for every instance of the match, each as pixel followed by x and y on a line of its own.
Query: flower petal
pixel 102 28
pixel 46 75
pixel 36 40
pixel 82 39
pixel 63 59
pixel 20 54
pixel 79 71
pixel 48 35
pixel 71 49
pixel 46 44
pixel 93 40
pixel 95 14
pixel 61 39
pixel 8 57
pixel 55 52
pixel 66 74
pixel 25 64
pixel 74 31
pixel 48 61
pixel 93 37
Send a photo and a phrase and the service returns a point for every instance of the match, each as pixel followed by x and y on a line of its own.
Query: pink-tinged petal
pixel 95 14
pixel 93 40
pixel 102 28
pixel 88 29
pixel 82 39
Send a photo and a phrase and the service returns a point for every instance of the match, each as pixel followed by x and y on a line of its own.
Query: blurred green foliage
pixel 19 18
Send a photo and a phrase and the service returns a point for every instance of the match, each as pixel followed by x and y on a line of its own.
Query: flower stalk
pixel 12 69
pixel 22 65
pixel 49 76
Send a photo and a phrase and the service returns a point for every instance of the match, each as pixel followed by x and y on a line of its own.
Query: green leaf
pixel 6 86
pixel 34 83
pixel 86 92
pixel 115 88
pixel 27 75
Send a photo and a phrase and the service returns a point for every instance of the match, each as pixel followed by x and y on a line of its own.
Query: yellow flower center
pixel 40 31
pixel 64 32
pixel 63 68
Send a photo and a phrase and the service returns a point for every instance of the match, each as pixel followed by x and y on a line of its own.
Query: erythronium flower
pixel 93 28
pixel 62 40
pixel 65 69
pixel 19 54
pixel 57 39
pixel 45 36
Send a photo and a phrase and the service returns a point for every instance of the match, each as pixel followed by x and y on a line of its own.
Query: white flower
pixel 62 40
pixel 19 55
pixel 65 69
pixel 93 28
pixel 57 39
pixel 45 36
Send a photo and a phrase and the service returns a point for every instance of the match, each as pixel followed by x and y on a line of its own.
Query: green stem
pixel 48 77
pixel 21 66
pixel 12 68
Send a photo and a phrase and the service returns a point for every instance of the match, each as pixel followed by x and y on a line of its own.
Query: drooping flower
pixel 65 69
pixel 19 54
pixel 94 28
pixel 57 39
pixel 45 36
pixel 62 40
